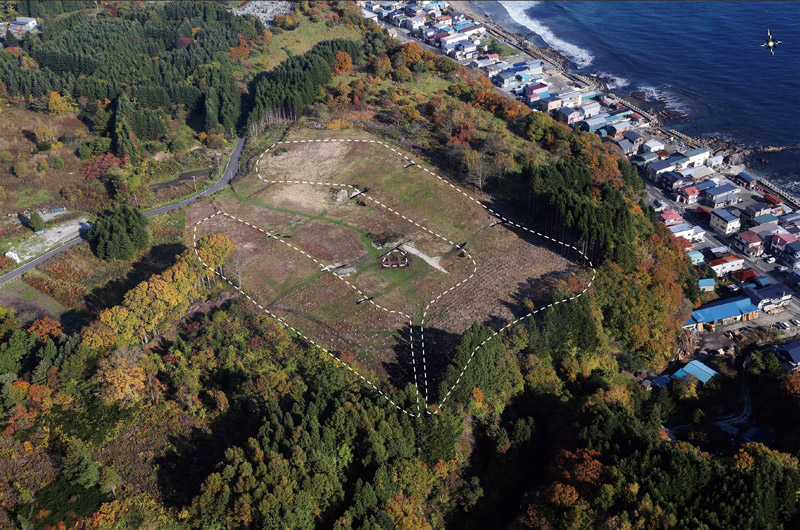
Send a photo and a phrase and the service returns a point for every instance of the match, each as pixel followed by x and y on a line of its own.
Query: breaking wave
pixel 578 55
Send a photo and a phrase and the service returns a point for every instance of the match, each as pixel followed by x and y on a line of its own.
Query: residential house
pixel 790 219
pixel 757 209
pixel 724 221
pixel 652 146
pixel 769 298
pixel 443 19
pixel 618 128
pixel 505 78
pixel 696 257
pixel 626 146
pixel 570 98
pixel 697 173
pixel 449 42
pixel 721 196
pixel 791 255
pixel 569 115
pixel 590 108
pixel 635 138
pixel 726 264
pixel 691 233
pixel 695 369
pixel 714 161
pixel 495 69
pixel 414 23
pixel 707 284
pixel 536 88
pixel 679 160
pixel 473 29
pixel 749 243
pixel 458 17
pixel 789 354
pixel 697 156
pixel 766 219
pixel 591 124
pixel 747 181
pixel 670 217
pixel 672 181
pixel 779 242
pixel 721 313
pixel 481 63
pixel 657 168
pixel 687 195
pixel 550 104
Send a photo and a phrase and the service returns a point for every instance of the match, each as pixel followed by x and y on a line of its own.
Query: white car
pixel 795 322
pixel 783 268
pixel 770 259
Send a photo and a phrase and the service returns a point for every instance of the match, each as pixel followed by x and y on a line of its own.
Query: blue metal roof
pixel 747 177
pixel 724 214
pixel 723 309
pixel 762 281
pixel 707 282
pixel 662 380
pixel 697 369
pixel 705 185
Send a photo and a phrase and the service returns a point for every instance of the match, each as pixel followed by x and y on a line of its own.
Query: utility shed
pixel 696 369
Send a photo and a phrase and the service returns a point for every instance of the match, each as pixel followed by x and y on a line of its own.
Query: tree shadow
pixel 157 260
pixel 539 291
pixel 428 366
pixel 193 457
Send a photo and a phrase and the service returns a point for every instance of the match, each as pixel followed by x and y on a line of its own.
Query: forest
pixel 180 407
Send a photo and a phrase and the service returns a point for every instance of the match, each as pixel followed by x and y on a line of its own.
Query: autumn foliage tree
pixel 342 62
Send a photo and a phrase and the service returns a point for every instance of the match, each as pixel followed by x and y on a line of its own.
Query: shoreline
pixel 662 118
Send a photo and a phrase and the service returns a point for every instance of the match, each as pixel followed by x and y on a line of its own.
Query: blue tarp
pixel 707 282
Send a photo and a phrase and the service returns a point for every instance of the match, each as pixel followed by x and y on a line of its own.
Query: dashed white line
pixel 425 311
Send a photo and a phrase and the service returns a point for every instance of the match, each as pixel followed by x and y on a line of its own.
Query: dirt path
pixel 433 262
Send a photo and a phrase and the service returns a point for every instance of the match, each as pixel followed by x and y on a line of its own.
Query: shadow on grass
pixel 159 258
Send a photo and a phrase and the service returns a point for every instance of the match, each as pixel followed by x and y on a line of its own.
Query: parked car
pixel 770 259
pixel 783 268
pixel 785 325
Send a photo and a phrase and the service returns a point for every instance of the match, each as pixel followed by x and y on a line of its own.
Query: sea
pixel 702 59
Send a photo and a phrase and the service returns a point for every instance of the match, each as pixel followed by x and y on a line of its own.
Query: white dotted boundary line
pixel 284 322
pixel 470 197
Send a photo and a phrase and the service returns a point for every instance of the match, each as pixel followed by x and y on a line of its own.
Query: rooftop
pixel 696 369
pixel 749 237
pixel 724 214
pixel 719 310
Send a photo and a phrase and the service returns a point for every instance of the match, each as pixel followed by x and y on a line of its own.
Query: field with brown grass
pixel 309 250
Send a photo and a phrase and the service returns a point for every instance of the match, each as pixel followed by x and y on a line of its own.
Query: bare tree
pixel 240 262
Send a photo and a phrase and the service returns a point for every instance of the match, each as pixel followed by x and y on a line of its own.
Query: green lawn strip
pixel 30 196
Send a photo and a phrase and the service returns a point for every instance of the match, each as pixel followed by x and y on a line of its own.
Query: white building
pixel 651 146
pixel 724 221
pixel 691 233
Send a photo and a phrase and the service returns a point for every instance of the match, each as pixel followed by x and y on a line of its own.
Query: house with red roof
pixel 779 242
pixel 670 217
pixel 688 195
pixel 749 243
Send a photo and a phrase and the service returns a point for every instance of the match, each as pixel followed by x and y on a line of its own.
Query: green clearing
pixel 31 196
pixel 298 41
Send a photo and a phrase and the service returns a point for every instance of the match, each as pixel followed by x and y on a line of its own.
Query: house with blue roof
pixel 721 196
pixel 697 370
pixel 707 284
pixel 721 313
pixel 747 180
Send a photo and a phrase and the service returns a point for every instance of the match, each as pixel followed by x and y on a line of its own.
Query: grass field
pixel 302 220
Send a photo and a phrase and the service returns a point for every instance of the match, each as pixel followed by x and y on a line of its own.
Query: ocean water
pixel 704 58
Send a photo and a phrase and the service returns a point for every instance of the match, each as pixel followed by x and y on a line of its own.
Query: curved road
pixel 231 170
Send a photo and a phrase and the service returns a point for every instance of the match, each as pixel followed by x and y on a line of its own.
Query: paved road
pixel 231 170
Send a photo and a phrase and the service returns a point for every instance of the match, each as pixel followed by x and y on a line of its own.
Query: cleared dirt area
pixel 323 272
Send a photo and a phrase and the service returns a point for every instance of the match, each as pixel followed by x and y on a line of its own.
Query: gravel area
pixel 265 10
